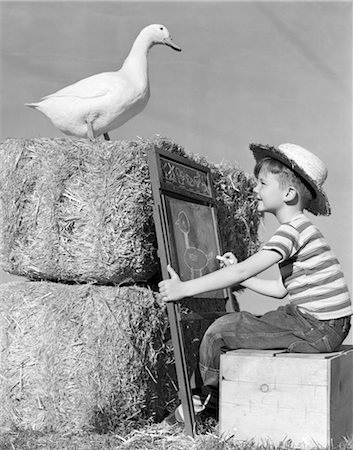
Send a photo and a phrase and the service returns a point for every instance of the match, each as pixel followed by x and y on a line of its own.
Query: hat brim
pixel 319 205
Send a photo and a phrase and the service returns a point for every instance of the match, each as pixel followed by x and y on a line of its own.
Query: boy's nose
pixel 256 188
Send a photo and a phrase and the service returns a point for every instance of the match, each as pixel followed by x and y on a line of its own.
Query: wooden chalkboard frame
pixel 178 179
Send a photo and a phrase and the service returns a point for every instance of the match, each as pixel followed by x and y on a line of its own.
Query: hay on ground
pixel 73 210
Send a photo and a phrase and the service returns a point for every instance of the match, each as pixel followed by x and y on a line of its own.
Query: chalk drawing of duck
pixel 195 258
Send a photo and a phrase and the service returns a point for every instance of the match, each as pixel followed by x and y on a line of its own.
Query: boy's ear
pixel 291 195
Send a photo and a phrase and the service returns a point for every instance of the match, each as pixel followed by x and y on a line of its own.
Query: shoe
pixel 205 405
pixel 171 419
pixel 198 407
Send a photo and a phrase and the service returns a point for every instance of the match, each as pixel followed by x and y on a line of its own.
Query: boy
pixel 317 317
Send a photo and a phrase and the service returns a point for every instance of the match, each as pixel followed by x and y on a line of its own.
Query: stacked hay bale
pixel 84 341
pixel 80 357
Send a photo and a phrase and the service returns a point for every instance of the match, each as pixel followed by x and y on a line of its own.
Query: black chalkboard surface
pixel 194 239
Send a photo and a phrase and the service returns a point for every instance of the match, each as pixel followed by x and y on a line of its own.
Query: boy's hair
pixel 286 177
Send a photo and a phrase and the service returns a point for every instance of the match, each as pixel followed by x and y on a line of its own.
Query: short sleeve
pixel 284 241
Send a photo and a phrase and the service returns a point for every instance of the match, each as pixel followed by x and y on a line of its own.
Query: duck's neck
pixel 136 62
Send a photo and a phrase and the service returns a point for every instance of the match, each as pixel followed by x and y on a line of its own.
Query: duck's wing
pixel 88 88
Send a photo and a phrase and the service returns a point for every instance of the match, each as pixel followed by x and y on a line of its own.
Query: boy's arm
pixel 175 289
pixel 272 288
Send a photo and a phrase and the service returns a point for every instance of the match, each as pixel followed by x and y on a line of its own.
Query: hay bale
pixel 73 210
pixel 80 357
pixel 87 357
pixel 76 211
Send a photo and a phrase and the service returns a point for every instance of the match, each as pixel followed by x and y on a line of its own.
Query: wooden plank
pixel 341 397
pixel 184 387
pixel 275 370
pixel 249 413
pixel 254 351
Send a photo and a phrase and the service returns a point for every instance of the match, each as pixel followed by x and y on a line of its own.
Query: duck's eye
pixel 161 28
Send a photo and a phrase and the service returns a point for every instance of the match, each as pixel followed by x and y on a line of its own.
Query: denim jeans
pixel 285 328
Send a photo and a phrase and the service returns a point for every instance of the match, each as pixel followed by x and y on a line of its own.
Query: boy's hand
pixel 227 259
pixel 170 290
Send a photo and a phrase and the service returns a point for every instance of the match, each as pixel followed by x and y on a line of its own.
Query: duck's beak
pixel 168 41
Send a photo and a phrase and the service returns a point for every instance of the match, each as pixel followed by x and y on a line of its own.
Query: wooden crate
pixel 274 396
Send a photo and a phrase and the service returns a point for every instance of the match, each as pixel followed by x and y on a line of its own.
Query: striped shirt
pixel 310 271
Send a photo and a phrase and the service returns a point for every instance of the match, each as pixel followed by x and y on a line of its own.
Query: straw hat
pixel 305 164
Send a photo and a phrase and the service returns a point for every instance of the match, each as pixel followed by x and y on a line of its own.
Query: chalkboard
pixel 189 237
pixel 187 234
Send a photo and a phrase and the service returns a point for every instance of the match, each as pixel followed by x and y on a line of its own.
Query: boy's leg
pixel 285 328
pixel 234 331
pixel 274 330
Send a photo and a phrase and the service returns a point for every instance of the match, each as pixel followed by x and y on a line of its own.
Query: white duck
pixel 103 102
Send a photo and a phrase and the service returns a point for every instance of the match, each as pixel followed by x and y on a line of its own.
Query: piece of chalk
pixel 224 259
